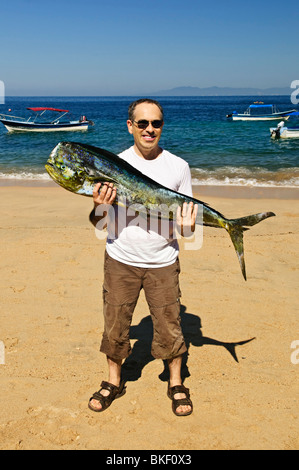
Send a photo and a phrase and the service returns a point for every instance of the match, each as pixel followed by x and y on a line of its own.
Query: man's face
pixel 146 140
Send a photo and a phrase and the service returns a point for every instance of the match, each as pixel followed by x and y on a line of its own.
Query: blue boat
pixel 260 112
pixel 19 124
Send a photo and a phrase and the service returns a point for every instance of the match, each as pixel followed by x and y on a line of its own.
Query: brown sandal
pixel 180 401
pixel 115 392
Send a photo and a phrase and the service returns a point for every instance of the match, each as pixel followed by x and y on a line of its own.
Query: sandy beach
pixel 244 390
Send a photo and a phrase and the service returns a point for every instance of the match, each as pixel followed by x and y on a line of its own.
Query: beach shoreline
pixel 225 191
pixel 244 390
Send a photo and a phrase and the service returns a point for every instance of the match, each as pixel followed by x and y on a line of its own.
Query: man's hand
pixel 106 197
pixel 186 219
pixel 107 194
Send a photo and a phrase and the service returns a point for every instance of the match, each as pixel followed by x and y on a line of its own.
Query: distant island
pixel 222 91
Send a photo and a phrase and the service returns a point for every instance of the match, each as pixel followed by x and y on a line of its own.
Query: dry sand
pixel 245 396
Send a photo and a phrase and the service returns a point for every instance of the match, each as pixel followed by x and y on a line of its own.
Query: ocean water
pixel 219 152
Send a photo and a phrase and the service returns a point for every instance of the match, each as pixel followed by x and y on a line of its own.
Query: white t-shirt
pixel 138 245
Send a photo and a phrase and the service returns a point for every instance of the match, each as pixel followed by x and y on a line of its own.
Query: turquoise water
pixel 218 151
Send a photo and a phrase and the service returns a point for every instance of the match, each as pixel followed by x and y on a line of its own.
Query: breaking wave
pixel 253 177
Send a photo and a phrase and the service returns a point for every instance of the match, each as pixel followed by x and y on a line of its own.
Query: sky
pixel 119 47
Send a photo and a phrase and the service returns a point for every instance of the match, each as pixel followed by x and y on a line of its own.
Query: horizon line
pixel 136 95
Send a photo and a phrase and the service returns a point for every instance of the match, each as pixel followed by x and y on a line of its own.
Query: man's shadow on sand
pixel 141 352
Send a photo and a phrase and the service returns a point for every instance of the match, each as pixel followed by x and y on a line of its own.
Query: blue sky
pixel 119 47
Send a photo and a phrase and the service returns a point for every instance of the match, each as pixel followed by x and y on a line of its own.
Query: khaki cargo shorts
pixel 121 289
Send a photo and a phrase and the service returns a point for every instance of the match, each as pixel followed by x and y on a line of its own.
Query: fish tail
pixel 236 227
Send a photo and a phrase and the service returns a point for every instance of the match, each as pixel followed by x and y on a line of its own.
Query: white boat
pixel 260 112
pixel 19 124
pixel 282 132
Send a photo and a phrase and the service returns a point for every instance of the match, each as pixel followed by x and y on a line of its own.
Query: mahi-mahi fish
pixel 77 167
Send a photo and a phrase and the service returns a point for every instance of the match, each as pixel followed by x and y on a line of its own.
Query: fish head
pixel 68 167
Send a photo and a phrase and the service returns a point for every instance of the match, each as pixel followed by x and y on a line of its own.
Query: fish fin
pixel 236 227
pixel 106 179
pixel 101 179
pixel 236 235
pixel 251 220
pixel 97 176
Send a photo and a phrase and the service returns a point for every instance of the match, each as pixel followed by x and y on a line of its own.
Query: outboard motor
pixel 84 119
pixel 229 116
pixel 276 132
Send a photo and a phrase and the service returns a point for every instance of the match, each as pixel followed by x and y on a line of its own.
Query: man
pixel 137 257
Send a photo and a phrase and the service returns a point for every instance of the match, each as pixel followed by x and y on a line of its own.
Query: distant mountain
pixel 222 91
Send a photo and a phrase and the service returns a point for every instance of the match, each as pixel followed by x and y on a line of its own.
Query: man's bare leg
pixel 114 369
pixel 175 366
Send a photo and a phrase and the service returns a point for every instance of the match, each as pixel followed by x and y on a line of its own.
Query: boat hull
pixel 18 126
pixel 268 117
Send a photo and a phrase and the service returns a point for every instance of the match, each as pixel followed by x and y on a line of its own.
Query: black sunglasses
pixel 143 123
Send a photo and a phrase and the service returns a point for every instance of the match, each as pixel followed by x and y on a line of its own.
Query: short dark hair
pixel 133 105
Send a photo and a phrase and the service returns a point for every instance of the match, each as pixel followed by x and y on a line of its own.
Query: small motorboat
pixel 260 112
pixel 282 132
pixel 34 124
